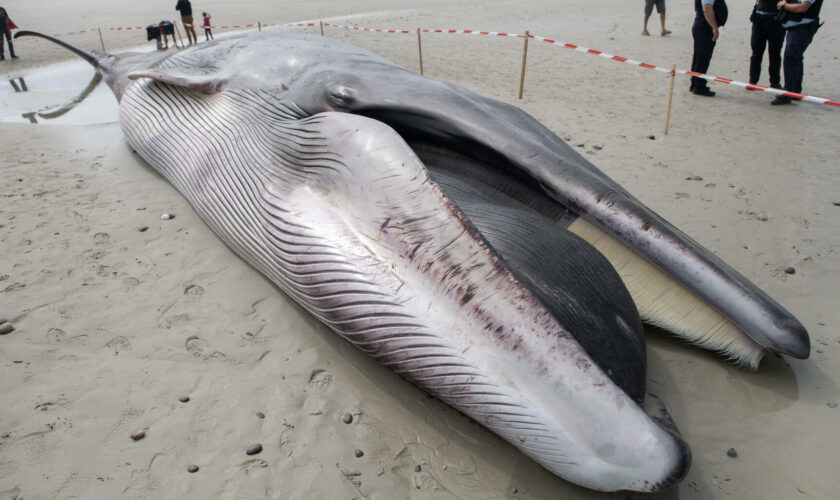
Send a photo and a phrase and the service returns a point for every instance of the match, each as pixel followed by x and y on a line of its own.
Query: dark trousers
pixel 797 41
pixel 766 32
pixel 703 49
pixel 8 35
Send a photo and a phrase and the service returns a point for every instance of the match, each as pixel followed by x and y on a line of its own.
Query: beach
pixel 120 313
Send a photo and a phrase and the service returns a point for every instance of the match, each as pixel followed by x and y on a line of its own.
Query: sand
pixel 114 325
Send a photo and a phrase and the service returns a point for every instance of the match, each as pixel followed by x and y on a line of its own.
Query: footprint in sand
pixel 252 465
pixel 320 378
pixel 196 345
pixel 194 290
pixel 101 238
pixel 119 343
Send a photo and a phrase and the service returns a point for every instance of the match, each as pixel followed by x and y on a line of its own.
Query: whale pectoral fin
pixel 209 83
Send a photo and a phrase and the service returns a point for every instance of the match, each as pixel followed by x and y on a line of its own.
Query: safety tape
pixel 750 86
pixel 578 48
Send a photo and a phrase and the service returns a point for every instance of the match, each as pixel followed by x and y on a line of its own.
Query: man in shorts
pixel 660 8
pixel 187 18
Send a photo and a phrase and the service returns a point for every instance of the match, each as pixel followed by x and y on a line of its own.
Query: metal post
pixel 524 57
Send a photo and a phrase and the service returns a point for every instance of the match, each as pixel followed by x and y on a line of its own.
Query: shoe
pixel 15 57
pixel 645 33
pixel 752 88
pixel 2 58
pixel 665 32
pixel 691 87
pixel 781 99
pixel 704 91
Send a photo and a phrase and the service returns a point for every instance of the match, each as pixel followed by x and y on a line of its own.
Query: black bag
pixel 721 12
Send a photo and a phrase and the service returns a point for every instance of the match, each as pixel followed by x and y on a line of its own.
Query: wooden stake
pixel 100 39
pixel 178 31
pixel 259 25
pixel 322 28
pixel 670 97
pixel 420 50
pixel 524 58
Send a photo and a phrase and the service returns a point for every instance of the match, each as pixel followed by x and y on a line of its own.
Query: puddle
pixel 69 93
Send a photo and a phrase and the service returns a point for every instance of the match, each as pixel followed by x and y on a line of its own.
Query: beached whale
pixel 448 235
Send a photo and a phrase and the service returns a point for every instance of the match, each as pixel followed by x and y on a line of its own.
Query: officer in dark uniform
pixel 709 16
pixel 801 19
pixel 766 32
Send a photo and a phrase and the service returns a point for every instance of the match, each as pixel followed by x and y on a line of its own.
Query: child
pixel 207 34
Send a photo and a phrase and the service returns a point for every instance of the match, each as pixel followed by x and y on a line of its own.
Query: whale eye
pixel 340 96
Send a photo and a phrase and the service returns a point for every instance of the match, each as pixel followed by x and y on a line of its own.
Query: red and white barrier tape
pixel 710 78
pixel 794 95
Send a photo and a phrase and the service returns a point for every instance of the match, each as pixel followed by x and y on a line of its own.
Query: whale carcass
pixel 450 236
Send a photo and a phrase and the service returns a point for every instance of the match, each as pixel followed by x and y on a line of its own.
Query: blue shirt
pixel 791 24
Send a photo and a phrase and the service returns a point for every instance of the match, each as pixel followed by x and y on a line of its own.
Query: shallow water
pixel 69 93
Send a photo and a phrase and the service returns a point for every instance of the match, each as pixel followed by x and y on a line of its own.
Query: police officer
pixel 766 32
pixel 801 19
pixel 709 16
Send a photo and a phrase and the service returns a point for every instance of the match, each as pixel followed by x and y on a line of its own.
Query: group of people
pixel 774 23
pixel 185 8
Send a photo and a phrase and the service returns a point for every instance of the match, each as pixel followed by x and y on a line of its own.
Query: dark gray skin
pixel 514 256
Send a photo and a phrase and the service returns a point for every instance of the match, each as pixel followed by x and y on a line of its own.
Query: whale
pixel 448 235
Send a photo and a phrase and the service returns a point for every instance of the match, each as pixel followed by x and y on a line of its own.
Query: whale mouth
pixel 676 283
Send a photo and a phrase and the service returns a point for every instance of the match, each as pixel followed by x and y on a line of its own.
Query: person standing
pixel 709 16
pixel 6 27
pixel 801 19
pixel 766 33
pixel 185 8
pixel 207 34
pixel 660 8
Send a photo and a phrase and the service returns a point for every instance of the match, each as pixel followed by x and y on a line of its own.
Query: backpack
pixel 721 12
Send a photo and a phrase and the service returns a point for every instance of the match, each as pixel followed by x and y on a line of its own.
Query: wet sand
pixel 113 325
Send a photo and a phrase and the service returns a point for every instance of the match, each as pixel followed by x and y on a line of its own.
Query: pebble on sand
pixel 167 217
pixel 184 399
pixel 137 436
pixel 831 404
pixel 790 270
pixel 260 414
pixel 254 449
pixel 192 468
pixel 731 453
pixel 347 418
pixel 143 228
pixel 418 469
pixel 359 453
pixel 6 328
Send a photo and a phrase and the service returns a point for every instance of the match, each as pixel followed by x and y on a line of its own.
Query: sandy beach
pixel 114 325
